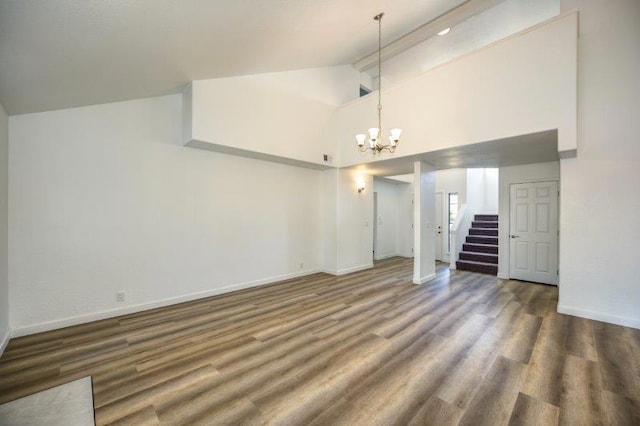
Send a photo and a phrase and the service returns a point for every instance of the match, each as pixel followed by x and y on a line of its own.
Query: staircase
pixel 480 252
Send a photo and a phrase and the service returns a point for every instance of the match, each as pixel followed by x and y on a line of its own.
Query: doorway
pixel 533 232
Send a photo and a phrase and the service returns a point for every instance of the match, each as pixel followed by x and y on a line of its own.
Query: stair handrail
pixel 459 231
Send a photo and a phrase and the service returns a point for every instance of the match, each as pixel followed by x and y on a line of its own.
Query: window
pixel 364 91
pixel 453 213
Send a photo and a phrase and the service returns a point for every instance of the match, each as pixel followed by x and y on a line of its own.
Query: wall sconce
pixel 360 187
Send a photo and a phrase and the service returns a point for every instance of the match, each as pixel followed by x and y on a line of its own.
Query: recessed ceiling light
pixel 445 31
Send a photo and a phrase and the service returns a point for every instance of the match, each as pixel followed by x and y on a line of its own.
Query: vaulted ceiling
pixel 65 53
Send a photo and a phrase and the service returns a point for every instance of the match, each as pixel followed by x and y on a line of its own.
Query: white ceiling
pixel 65 53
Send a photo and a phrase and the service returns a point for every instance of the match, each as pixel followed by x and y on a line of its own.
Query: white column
pixel 424 210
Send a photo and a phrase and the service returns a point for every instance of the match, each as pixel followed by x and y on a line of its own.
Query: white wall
pixel 330 221
pixel 600 196
pixel 452 180
pixel 355 222
pixel 519 174
pixel 282 114
pixel 491 190
pixel 4 188
pixel 104 198
pixel 483 190
pixel 475 189
pixel 520 85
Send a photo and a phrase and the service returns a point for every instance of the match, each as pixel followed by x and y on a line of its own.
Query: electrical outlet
pixel 301 265
pixel 120 296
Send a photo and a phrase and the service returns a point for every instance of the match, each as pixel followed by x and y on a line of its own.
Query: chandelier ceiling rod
pixel 379 19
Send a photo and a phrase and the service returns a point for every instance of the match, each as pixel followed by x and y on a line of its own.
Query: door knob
pixel 515 236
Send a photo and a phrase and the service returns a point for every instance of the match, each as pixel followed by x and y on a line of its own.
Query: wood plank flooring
pixel 366 348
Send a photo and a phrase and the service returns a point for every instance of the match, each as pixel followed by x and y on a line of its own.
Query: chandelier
pixel 375 132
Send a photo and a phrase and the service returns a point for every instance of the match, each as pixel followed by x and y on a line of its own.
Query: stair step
pixel 480 248
pixel 479 257
pixel 483 224
pixel 486 268
pixel 483 231
pixel 482 239
pixel 486 217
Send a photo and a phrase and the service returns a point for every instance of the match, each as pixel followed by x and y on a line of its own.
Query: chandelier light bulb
pixel 360 138
pixel 373 134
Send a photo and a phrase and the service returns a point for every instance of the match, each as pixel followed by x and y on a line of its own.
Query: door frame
pixel 439 226
pixel 375 226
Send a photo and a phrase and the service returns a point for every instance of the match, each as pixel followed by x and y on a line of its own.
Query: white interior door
pixel 438 226
pixel 533 232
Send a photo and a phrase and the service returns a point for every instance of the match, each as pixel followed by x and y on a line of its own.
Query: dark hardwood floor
pixel 366 348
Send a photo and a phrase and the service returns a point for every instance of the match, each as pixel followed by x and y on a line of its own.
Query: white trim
pixel 424 279
pixel 111 313
pixel 354 269
pixel 5 341
pixel 503 276
pixel 386 256
pixel 599 316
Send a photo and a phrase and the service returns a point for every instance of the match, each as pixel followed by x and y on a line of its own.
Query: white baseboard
pixel 354 269
pixel 5 341
pixel 599 316
pixel 503 276
pixel 82 319
pixel 424 279
pixel 386 256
